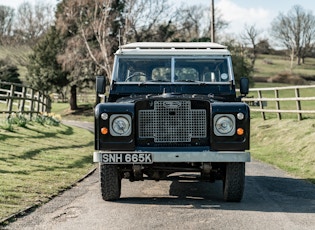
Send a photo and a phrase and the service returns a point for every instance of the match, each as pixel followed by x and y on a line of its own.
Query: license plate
pixel 127 158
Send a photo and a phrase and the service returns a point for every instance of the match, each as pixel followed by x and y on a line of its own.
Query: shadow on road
pixel 264 194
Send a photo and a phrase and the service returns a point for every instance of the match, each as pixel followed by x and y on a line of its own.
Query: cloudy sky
pixel 253 12
pixel 236 12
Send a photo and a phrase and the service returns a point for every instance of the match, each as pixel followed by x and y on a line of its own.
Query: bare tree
pixel 90 31
pixel 6 21
pixel 295 31
pixel 189 22
pixel 250 35
pixel 32 21
pixel 148 20
pixel 194 23
pixel 101 22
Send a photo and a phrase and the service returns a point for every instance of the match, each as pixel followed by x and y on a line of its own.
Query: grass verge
pixel 287 144
pixel 85 111
pixel 38 161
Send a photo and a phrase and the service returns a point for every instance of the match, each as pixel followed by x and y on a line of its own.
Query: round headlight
pixel 224 125
pixel 121 126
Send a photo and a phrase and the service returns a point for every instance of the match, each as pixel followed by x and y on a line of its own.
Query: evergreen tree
pixel 241 65
pixel 8 73
pixel 44 72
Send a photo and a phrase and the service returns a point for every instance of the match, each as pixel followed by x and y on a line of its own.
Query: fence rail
pixel 21 99
pixel 18 98
pixel 262 101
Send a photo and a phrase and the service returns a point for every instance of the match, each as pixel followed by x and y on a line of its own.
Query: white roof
pixel 173 48
pixel 173 45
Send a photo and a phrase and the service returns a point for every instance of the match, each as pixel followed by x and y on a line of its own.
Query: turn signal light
pixel 104 130
pixel 240 131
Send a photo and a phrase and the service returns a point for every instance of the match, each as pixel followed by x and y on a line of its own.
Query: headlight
pixel 120 125
pixel 224 125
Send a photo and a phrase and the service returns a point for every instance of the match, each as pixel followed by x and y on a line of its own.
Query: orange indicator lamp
pixel 104 130
pixel 240 131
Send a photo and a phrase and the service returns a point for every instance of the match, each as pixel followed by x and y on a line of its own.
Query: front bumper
pixel 189 156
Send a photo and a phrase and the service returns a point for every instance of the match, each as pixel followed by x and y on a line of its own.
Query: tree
pixel 263 46
pixel 193 23
pixel 241 65
pixel 148 20
pixel 31 22
pixel 295 31
pixel 44 72
pixel 90 30
pixel 6 21
pixel 8 72
pixel 251 35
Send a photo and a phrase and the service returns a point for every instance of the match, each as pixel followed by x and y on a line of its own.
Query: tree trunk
pixel 73 98
pixel 298 60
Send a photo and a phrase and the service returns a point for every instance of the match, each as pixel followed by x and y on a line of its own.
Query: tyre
pixel 234 181
pixel 110 182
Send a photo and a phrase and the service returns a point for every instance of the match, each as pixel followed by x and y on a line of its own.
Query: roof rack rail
pixel 174 45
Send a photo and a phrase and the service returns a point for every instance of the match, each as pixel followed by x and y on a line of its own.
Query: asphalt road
pixel 272 200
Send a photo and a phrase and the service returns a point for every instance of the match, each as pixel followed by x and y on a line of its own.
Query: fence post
pixel 277 103
pixel 42 102
pixel 32 103
pixel 47 102
pixel 38 101
pixel 10 102
pixel 22 105
pixel 298 103
pixel 261 106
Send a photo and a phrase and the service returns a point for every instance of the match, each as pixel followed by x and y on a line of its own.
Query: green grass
pixel 288 144
pixel 84 113
pixel 39 161
pixel 281 64
pixel 284 105
pixel 17 55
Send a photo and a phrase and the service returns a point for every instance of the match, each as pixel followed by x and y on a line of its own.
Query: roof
pixel 173 48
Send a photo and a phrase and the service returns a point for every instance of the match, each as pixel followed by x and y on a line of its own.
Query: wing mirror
pixel 100 87
pixel 244 86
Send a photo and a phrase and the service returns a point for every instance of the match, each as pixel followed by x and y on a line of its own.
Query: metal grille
pixel 172 121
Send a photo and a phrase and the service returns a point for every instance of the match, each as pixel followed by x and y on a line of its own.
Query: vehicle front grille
pixel 172 121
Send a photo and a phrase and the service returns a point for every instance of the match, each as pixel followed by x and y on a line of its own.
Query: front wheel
pixel 110 182
pixel 234 181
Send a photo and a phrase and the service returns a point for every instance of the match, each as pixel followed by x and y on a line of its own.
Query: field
pixel 270 65
pixel 17 56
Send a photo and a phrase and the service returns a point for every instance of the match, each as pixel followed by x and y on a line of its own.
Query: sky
pixel 237 12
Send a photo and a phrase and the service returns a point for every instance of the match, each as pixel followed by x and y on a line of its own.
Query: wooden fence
pixel 262 102
pixel 20 99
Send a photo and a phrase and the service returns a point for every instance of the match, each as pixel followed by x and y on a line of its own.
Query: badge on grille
pixel 172 104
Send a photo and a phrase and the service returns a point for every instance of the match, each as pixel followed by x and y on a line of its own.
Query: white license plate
pixel 127 158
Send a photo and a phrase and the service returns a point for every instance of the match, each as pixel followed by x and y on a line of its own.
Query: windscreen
pixel 172 70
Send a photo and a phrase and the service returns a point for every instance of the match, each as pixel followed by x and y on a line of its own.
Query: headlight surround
pixel 120 125
pixel 224 125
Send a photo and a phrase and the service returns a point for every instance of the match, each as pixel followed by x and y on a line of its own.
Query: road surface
pixel 272 200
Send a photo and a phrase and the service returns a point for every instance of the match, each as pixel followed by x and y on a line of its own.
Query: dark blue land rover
pixel 172 107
